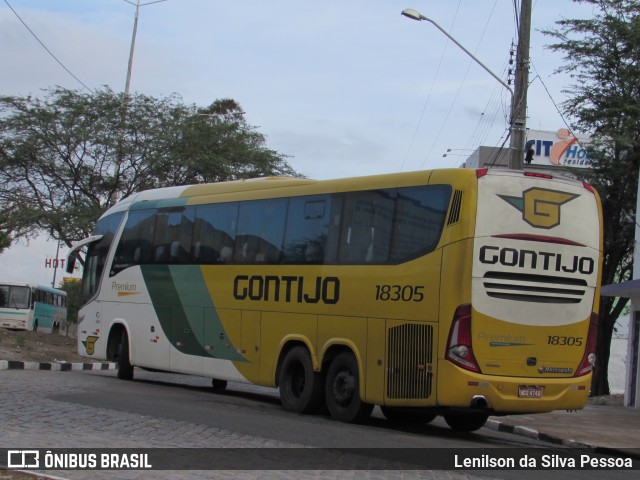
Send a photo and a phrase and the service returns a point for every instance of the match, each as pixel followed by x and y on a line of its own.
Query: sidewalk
pixel 603 425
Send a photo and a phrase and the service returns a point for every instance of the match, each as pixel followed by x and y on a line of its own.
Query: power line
pixel 435 77
pixel 487 117
pixel 45 47
pixel 464 78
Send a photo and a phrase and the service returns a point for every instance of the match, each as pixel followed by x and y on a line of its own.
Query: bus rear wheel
pixel 466 422
pixel 301 389
pixel 343 390
pixel 125 369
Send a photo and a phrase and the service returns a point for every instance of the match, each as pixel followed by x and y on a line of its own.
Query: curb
pixel 535 434
pixel 55 366
pixel 555 440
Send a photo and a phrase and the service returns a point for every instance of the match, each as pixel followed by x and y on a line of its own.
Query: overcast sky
pixel 343 87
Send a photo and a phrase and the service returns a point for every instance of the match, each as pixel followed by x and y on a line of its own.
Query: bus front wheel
pixel 300 387
pixel 343 390
pixel 466 422
pixel 125 369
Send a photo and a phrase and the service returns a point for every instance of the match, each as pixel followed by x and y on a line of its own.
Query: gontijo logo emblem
pixel 90 344
pixel 540 207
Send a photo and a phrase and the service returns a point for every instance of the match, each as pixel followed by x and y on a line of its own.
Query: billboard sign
pixel 560 148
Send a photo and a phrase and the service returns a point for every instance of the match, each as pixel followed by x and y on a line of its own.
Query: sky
pixel 342 87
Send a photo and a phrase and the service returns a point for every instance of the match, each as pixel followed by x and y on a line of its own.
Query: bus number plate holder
pixel 530 391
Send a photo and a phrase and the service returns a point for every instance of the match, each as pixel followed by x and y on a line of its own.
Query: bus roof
pixel 32 285
pixel 272 187
pixel 268 187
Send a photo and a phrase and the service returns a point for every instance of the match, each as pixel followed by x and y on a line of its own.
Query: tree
pixel 602 56
pixel 67 157
pixel 73 287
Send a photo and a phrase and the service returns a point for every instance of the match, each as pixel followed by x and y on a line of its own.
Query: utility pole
pixel 133 40
pixel 519 99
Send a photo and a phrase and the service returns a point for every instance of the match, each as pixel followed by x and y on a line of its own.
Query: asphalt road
pixel 42 409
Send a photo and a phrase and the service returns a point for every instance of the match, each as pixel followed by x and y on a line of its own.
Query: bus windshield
pixel 14 296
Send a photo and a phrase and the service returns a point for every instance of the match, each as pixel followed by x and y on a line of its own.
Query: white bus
pixel 25 306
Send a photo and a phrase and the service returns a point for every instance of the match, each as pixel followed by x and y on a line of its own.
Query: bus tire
pixel 404 416
pixel 301 389
pixel 343 390
pixel 35 325
pixel 125 369
pixel 466 422
pixel 218 385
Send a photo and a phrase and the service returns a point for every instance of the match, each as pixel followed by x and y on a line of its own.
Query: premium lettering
pixel 536 260
pixel 287 289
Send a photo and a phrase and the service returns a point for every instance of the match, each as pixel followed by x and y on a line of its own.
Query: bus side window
pixel 135 246
pixel 367 226
pixel 260 236
pixel 307 229
pixel 419 220
pixel 173 235
pixel 214 233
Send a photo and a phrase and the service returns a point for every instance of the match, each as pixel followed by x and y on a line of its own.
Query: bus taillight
pixel 481 172
pixel 589 358
pixel 459 346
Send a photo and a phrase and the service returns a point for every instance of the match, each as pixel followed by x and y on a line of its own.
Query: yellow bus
pixel 455 292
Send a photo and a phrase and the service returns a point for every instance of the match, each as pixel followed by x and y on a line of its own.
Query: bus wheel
pixel 218 385
pixel 35 325
pixel 300 387
pixel 343 390
pixel 466 422
pixel 125 369
pixel 398 415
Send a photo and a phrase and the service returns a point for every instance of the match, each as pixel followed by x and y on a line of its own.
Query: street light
pixel 415 15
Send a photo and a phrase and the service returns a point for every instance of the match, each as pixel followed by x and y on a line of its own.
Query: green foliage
pixel 67 157
pixel 602 56
pixel 74 298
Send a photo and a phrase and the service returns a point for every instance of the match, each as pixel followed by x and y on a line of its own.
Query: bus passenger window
pixel 367 227
pixel 260 231
pixel 135 246
pixel 307 229
pixel 214 233
pixel 419 219
pixel 173 231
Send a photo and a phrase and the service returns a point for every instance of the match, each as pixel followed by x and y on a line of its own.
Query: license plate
pixel 530 391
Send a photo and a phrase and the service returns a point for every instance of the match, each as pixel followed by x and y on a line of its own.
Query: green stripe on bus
pixel 12 313
pixel 162 203
pixel 186 311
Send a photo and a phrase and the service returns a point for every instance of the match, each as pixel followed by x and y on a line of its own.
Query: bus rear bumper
pixel 503 395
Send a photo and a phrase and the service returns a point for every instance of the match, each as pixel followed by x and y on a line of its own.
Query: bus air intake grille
pixel 534 288
pixel 456 205
pixel 410 352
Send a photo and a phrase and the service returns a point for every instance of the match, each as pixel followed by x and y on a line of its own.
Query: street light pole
pixel 133 40
pixel 415 15
pixel 518 99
